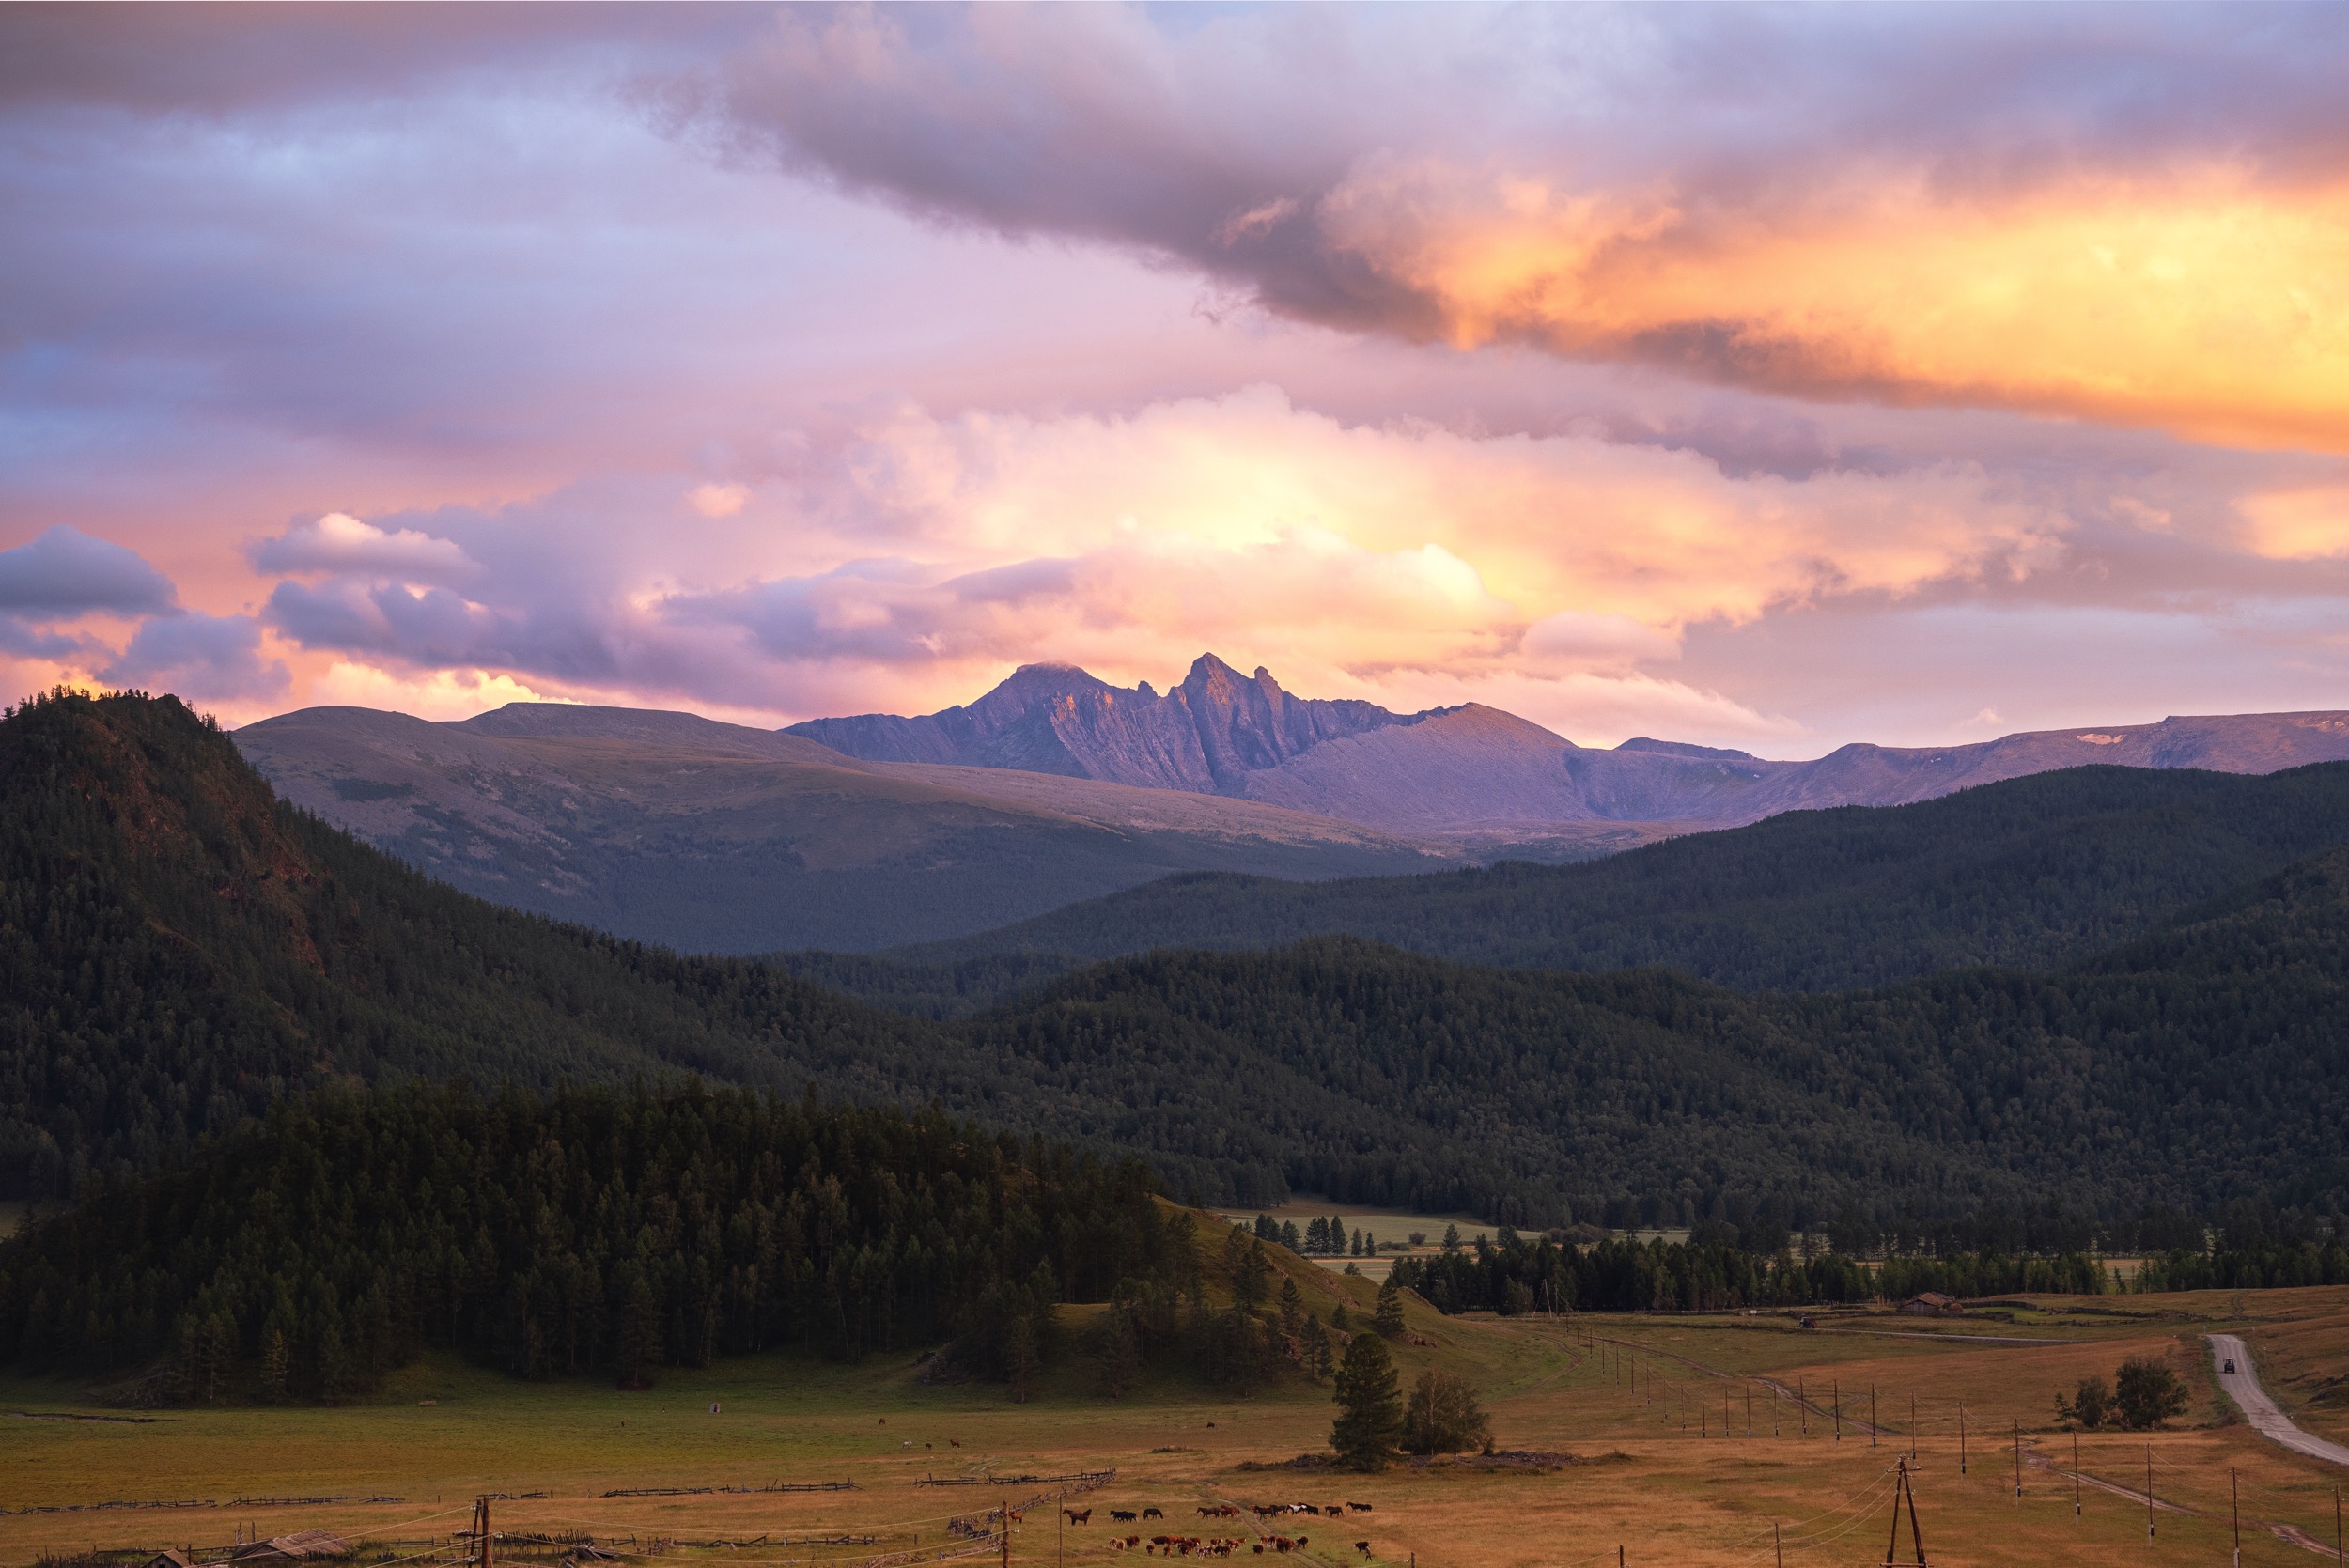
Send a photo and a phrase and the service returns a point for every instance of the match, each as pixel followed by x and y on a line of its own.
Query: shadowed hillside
pixel 2033 872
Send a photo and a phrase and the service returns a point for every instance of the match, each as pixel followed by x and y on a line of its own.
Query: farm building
pixel 1933 1304
pixel 304 1546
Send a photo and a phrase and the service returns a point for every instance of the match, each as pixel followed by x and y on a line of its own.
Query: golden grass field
pixel 1628 1474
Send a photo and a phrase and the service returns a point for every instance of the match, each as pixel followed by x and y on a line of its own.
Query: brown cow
pixel 1363 1546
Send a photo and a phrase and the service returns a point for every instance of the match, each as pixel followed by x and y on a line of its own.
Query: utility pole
pixel 1006 1514
pixel 1901 1491
pixel 487 1541
pixel 1873 1428
pixel 2075 1477
pixel 1961 1436
pixel 1778 1548
pixel 2235 1497
pixel 1802 1408
pixel 1749 1409
pixel 2148 1491
pixel 1912 1429
pixel 2018 1461
pixel 1835 1392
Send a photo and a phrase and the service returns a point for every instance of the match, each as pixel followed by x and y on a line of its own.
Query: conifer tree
pixel 1315 1343
pixel 1292 1306
pixel 1389 1320
pixel 1370 1405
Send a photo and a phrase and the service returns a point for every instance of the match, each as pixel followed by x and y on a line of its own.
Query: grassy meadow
pixel 1611 1430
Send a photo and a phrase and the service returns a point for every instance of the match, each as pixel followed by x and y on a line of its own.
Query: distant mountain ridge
pixel 1489 779
pixel 1207 736
pixel 2031 872
pixel 717 838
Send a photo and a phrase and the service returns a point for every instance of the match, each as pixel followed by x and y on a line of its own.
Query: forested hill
pixel 2206 1064
pixel 178 951
pixel 2031 872
pixel 592 1230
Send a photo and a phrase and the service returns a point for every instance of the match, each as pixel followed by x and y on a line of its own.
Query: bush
pixel 1444 1417
pixel 2091 1404
pixel 2147 1392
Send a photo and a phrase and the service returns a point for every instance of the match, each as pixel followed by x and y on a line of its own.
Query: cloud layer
pixel 2035 208
pixel 1775 377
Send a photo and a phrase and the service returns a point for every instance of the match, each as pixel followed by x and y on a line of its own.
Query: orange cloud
pixel 1470 533
pixel 2304 525
pixel 2202 304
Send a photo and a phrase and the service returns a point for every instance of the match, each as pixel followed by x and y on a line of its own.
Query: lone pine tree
pixel 1370 1405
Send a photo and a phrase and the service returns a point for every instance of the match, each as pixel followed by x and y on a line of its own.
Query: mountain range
pixel 718 838
pixel 878 832
pixel 182 952
pixel 1480 776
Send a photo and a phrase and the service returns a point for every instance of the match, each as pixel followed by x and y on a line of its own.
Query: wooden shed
pixel 303 1545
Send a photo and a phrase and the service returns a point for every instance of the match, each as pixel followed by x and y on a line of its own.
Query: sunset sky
pixel 1766 378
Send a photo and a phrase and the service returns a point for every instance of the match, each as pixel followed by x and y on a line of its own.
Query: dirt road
pixel 2243 1386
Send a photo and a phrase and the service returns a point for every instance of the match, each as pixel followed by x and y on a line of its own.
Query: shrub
pixel 1444 1417
pixel 2091 1403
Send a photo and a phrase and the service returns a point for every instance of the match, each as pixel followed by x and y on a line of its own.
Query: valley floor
pixel 1612 1430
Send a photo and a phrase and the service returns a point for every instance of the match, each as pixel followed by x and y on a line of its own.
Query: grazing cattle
pixel 1358 1507
pixel 1078 1515
pixel 953 1442
pixel 926 1445
pixel 1282 1544
pixel 1123 1515
pixel 1260 1548
pixel 1132 1540
pixel 1363 1546
pixel 1154 1514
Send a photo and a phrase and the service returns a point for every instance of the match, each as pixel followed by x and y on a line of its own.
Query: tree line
pixel 594 1231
